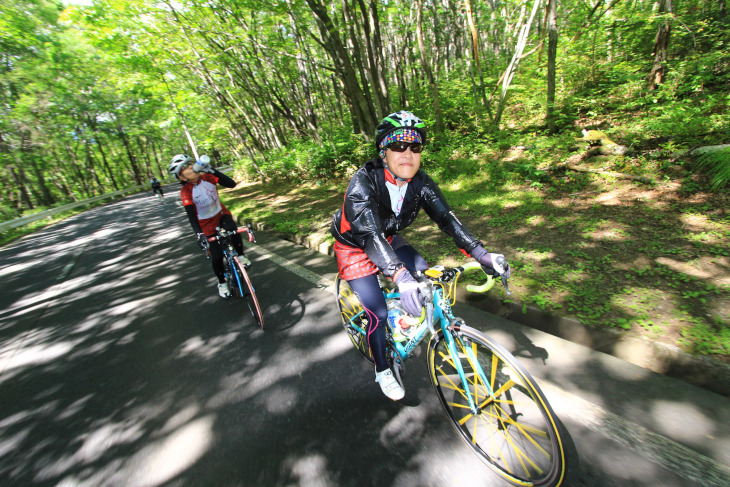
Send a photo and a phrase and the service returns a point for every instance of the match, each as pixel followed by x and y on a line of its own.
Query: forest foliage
pixel 99 96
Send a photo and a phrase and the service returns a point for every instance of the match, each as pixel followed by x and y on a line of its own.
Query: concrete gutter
pixel 705 372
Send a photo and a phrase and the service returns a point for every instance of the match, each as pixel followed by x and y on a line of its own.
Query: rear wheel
pixel 246 290
pixel 512 427
pixel 354 318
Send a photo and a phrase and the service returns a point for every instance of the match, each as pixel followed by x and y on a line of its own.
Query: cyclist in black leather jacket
pixel 383 197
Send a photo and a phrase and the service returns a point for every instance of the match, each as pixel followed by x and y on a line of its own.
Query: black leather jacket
pixel 369 219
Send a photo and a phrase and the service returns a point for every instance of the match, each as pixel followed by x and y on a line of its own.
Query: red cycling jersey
pixel 204 195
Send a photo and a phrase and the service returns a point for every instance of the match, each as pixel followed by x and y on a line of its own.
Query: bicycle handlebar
pixel 473 288
pixel 226 233
pixel 482 288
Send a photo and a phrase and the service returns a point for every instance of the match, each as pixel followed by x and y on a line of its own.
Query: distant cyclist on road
pixel 156 186
pixel 205 210
pixel 384 197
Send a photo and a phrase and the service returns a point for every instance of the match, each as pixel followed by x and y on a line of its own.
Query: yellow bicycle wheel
pixel 512 428
pixel 354 318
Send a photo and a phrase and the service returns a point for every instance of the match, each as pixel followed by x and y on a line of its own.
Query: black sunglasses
pixel 416 147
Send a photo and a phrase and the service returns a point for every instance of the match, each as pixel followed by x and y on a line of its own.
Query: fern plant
pixel 717 164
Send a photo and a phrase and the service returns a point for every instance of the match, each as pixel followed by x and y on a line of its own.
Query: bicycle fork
pixel 447 319
pixel 476 366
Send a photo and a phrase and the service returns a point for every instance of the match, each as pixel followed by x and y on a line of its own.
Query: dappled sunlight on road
pixel 93 445
pixel 310 470
pixel 63 338
pixel 48 297
pixel 169 456
pixel 267 377
pixel 280 400
pixel 205 349
pixel 133 372
pixel 153 465
pixel 408 425
pixel 29 354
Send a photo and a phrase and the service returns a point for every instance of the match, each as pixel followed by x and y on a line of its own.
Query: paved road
pixel 119 365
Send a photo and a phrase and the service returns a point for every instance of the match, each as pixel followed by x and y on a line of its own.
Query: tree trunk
pixel 193 148
pixel 661 46
pixel 20 183
pixel 363 114
pixel 250 152
pixel 106 163
pixel 377 70
pixel 426 64
pixel 91 168
pixel 130 154
pixel 64 173
pixel 160 170
pixel 477 61
pixel 552 28
pixel 76 170
pixel 589 19
pixel 310 117
pixel 357 58
pixel 511 70
pixel 46 197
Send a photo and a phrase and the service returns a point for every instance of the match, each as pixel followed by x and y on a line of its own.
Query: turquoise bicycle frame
pixel 439 311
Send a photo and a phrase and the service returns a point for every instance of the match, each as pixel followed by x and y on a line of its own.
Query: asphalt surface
pixel 120 365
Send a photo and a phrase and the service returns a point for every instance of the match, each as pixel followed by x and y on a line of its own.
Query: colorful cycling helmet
pixel 399 120
pixel 178 162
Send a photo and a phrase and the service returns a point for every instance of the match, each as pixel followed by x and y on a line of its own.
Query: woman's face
pixel 187 175
pixel 403 164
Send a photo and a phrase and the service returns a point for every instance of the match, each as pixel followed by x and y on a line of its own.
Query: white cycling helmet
pixel 178 162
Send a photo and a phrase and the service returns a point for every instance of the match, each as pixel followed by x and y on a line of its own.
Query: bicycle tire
pixel 515 431
pixel 248 293
pixel 354 318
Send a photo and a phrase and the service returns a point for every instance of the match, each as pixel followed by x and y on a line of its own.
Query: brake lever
pixel 505 275
pixel 504 283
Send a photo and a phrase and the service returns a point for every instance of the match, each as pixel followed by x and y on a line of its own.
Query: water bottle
pixel 394 317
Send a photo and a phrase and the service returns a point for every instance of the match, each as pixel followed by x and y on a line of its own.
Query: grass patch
pixel 12 234
pixel 647 260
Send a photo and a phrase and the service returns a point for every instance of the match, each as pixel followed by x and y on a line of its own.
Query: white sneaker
pixel 244 261
pixel 389 385
pixel 223 290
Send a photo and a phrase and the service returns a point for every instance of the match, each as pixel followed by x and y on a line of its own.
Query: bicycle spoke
pixel 511 428
pixel 353 318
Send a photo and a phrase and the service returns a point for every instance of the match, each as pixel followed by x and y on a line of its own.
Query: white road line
pixel 319 281
pixel 71 263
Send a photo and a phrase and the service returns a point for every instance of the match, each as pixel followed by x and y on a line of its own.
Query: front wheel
pixel 509 423
pixel 245 290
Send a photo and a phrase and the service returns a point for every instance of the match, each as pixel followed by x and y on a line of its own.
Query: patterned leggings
pixel 373 302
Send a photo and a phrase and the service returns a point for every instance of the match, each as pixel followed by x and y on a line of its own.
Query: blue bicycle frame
pixel 438 310
pixel 232 270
